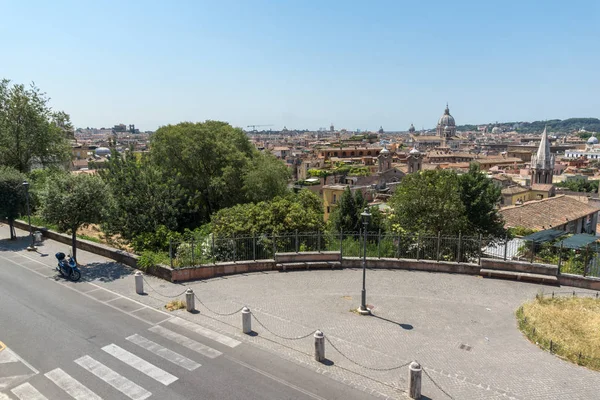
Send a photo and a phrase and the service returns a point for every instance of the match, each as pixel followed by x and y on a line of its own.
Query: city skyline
pixel 358 66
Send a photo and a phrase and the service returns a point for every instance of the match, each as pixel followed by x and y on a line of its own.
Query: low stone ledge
pixel 579 281
pixel 416 265
pixel 519 266
pixel 220 269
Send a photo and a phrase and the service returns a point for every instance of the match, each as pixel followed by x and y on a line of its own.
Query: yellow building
pixel 331 196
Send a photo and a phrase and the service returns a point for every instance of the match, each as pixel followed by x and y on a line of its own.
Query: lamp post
pixel 32 245
pixel 363 310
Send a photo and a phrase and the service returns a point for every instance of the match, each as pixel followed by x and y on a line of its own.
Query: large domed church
pixel 446 126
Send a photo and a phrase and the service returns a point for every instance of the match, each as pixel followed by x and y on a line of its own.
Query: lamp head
pixel 366 215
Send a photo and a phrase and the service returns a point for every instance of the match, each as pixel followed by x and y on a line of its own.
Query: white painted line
pixel 71 385
pixel 140 364
pixel 28 392
pixel 163 352
pixel 4 396
pixel 186 342
pixel 139 309
pixel 217 337
pixel 119 382
pixel 35 371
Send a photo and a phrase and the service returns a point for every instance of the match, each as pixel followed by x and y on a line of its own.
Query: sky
pixel 306 64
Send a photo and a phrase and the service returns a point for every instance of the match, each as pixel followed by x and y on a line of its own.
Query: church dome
pixel 446 119
pixel 412 128
pixel 414 151
pixel 496 130
pixel 593 139
pixel 384 151
pixel 102 151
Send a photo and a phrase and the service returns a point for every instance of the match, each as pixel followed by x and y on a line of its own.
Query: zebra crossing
pixel 112 366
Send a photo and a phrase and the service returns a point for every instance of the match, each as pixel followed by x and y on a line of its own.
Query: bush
pixel 156 241
pixel 151 258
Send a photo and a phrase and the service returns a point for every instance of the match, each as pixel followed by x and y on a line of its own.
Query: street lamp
pixel 32 245
pixel 363 310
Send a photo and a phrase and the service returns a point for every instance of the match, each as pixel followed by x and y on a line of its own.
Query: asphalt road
pixel 61 340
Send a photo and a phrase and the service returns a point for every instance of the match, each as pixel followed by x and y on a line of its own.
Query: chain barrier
pixel 160 294
pixel 364 366
pixel 280 336
pixel 215 312
pixel 436 384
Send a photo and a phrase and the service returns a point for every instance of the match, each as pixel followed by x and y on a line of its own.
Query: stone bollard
pixel 414 380
pixel 190 300
pixel 139 283
pixel 246 320
pixel 319 346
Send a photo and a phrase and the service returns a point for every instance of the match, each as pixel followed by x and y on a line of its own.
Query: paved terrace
pixel 417 316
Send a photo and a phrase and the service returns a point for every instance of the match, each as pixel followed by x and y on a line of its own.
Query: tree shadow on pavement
pixel 105 272
pixel 407 327
pixel 20 243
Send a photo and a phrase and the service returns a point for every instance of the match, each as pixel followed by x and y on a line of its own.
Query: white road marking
pixel 18 357
pixel 28 392
pixel 140 364
pixel 217 337
pixel 163 352
pixel 119 382
pixel 71 385
pixel 186 342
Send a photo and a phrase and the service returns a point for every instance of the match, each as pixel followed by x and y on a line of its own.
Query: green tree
pixel 300 211
pixel 72 201
pixel 30 132
pixel 12 196
pixel 267 178
pixel 212 162
pixel 480 196
pixel 429 202
pixel 347 216
pixel 142 198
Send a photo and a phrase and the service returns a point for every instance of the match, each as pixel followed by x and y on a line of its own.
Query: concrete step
pixel 309 265
pixel 519 276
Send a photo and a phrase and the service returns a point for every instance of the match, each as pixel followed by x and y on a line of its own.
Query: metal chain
pixel 217 313
pixel 436 384
pixel 279 336
pixel 364 366
pixel 160 294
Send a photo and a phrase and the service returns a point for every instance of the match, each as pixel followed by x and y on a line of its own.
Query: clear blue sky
pixel 306 64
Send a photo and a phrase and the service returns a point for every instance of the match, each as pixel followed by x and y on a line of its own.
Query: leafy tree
pixel 267 178
pixel 300 211
pixel 480 196
pixel 30 132
pixel 579 185
pixel 347 216
pixel 72 201
pixel 212 162
pixel 142 197
pixel 12 196
pixel 429 202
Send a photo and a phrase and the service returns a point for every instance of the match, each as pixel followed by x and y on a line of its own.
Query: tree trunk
pixel 74 245
pixel 11 228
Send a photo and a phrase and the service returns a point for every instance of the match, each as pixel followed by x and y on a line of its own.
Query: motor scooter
pixel 67 267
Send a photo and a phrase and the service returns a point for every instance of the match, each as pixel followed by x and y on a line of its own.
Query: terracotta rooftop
pixel 514 190
pixel 546 213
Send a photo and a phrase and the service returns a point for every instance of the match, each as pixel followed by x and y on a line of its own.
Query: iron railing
pixel 466 249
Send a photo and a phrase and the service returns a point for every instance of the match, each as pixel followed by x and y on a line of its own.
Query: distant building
pixel 542 164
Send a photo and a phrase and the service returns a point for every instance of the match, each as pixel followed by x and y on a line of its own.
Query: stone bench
pixel 519 276
pixel 308 260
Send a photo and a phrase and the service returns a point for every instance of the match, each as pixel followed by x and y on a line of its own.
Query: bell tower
pixel 542 163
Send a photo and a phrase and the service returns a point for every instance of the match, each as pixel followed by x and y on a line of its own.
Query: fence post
pixel 398 247
pixel 234 248
pixel 379 244
pixel 458 250
pixel 246 321
pixel 341 243
pixel 274 245
pixel 560 257
pixel 296 240
pixel 253 246
pixel 189 301
pixel 480 243
pixel 418 244
pixel 319 241
pixel 439 239
pixel 214 257
pixel 319 346
pixel 192 244
pixel 587 260
pixel 532 251
pixel 139 283
pixel 414 380
pixel 171 252
pixel 505 246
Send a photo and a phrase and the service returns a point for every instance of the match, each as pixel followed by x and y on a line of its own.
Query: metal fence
pixel 466 249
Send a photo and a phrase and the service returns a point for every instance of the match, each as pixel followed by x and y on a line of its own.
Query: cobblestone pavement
pixel 417 316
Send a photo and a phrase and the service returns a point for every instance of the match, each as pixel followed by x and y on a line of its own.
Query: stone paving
pixel 417 316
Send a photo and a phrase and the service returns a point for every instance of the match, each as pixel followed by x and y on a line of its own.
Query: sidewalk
pixel 461 328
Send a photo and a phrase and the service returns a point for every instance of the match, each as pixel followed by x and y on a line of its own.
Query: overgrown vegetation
pixel 567 327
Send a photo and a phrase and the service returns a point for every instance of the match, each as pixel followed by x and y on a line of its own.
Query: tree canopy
pixel 300 211
pixel 72 201
pixel 30 132
pixel 347 217
pixel 12 196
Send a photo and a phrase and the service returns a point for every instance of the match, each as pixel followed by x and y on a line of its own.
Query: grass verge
pixel 567 327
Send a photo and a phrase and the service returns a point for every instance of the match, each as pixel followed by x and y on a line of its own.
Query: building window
pixel 334 198
pixel 328 210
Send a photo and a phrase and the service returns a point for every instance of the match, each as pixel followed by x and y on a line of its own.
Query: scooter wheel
pixel 75 275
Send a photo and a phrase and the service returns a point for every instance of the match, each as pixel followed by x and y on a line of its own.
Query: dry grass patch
pixel 567 326
pixel 175 305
